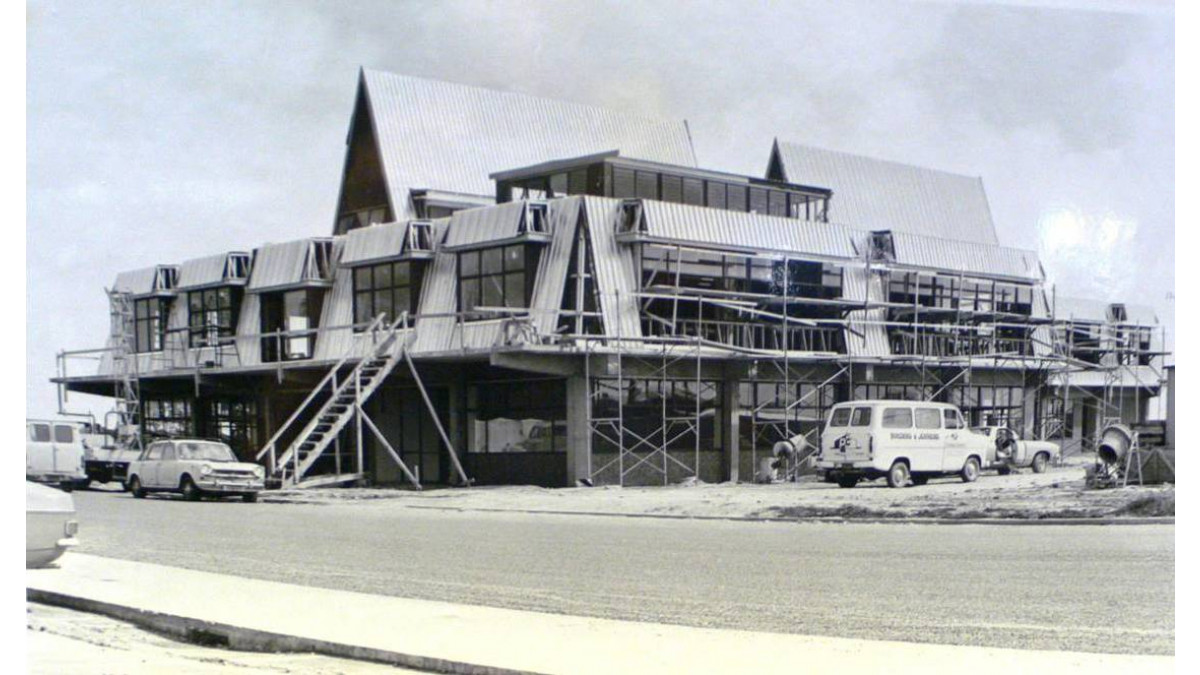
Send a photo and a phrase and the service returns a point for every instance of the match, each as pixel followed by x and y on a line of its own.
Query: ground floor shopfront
pixel 605 420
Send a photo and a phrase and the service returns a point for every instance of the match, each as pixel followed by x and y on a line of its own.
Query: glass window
pixel 151 324
pixel 388 288
pixel 897 418
pixel 623 183
pixel 736 198
pixel 647 185
pixel 212 315
pixel 840 417
pixel 39 433
pixel 502 279
pixel 953 421
pixel 861 417
pixel 716 194
pixel 928 418
pixel 63 434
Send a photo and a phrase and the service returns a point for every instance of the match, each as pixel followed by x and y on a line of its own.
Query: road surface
pixel 1083 588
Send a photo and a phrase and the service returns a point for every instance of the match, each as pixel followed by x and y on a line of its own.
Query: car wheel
pixel 250 497
pixel 897 476
pixel 920 480
pixel 847 481
pixel 135 488
pixel 1004 470
pixel 188 489
pixel 1040 462
pixel 970 470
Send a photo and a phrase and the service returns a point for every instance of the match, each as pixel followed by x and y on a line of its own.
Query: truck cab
pixel 903 441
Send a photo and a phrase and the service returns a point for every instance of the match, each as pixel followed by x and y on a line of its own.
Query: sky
pixel 162 131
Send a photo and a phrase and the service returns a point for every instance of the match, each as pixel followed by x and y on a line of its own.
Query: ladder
pixel 345 398
pixel 125 367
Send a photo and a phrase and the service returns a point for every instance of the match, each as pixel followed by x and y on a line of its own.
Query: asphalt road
pixel 1083 588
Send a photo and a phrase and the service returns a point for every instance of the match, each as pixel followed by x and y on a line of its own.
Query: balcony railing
pixel 752 335
pixel 943 344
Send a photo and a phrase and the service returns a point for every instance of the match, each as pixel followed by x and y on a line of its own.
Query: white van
pixel 54 453
pixel 902 440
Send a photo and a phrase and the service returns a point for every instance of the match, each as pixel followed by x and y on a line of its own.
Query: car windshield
pixel 209 452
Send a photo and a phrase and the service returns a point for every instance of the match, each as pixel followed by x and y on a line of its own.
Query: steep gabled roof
pixel 450 137
pixel 874 194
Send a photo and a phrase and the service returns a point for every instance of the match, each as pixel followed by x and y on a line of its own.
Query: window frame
pixel 508 272
pixel 369 292
pixel 205 321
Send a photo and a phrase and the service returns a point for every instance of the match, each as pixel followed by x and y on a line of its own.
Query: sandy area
pixel 1058 493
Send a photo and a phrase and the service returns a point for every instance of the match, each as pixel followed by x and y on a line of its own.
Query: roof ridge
pixel 535 97
pixel 879 160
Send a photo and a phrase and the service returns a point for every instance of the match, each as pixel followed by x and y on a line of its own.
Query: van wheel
pixel 897 476
pixel 136 489
pixel 189 490
pixel 66 486
pixel 250 497
pixel 970 470
pixel 847 481
pixel 1040 461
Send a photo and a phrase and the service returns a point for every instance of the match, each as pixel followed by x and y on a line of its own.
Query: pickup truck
pixel 1007 451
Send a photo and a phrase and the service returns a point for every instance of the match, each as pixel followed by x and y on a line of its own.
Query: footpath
pixel 253 615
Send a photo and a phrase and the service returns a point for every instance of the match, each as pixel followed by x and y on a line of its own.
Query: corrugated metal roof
pixel 1087 309
pixel 450 137
pixel 136 282
pixel 875 194
pixel 616 278
pixel 200 272
pixel 964 256
pixel 547 297
pixel 867 336
pixel 490 223
pixel 277 265
pixel 753 231
pixel 377 242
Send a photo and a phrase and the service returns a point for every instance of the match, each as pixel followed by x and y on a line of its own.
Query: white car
pixel 50 525
pixel 901 440
pixel 194 469
pixel 1009 452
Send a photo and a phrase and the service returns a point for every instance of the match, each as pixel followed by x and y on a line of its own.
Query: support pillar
pixel 731 406
pixel 579 437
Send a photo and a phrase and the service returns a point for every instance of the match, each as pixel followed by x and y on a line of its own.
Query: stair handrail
pixel 383 348
pixel 270 445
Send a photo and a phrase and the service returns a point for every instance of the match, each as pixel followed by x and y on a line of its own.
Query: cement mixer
pixel 783 459
pixel 1116 440
pixel 1121 459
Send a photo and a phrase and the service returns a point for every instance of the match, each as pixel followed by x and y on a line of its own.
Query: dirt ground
pixel 1058 493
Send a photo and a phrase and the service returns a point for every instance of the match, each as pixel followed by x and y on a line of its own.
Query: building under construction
pixel 526 291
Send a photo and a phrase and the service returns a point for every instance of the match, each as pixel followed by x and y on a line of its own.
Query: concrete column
pixel 731 403
pixel 579 438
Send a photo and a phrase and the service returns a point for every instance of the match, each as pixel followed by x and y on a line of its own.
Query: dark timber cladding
pixel 531 291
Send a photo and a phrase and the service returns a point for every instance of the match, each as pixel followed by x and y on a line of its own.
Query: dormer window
pixel 496 278
pixel 1117 313
pixel 881 247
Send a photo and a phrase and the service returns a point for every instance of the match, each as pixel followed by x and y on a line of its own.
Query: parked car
pixel 1008 451
pixel 901 440
pixel 194 468
pixel 54 453
pixel 50 525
